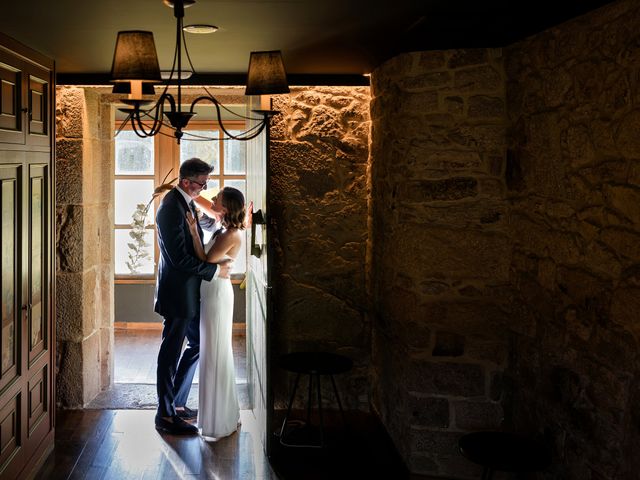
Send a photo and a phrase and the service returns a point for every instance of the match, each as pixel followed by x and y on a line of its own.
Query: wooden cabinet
pixel 27 335
pixel 24 102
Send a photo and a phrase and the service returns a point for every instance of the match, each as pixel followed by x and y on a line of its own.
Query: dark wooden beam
pixel 342 80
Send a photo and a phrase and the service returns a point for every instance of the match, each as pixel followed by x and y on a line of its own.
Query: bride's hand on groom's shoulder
pixel 191 221
pixel 224 268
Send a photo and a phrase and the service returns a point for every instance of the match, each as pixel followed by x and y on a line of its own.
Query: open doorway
pixel 141 164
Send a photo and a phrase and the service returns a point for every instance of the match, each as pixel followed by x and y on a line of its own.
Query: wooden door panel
pixel 38 111
pixel 37 311
pixel 11 78
pixel 10 437
pixel 258 288
pixel 27 336
pixel 10 279
pixel 38 402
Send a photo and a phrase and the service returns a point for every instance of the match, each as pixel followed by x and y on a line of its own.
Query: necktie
pixel 195 215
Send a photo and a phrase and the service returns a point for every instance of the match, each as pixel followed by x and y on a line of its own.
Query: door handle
pixel 257 218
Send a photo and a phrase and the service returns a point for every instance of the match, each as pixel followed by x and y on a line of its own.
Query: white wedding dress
pixel 218 410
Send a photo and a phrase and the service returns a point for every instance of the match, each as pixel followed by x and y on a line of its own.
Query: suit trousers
pixel 175 372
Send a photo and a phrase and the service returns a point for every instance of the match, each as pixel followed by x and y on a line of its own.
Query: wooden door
pixel 258 293
pixel 26 278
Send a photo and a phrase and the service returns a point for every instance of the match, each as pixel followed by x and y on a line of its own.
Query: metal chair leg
pixel 320 410
pixel 286 417
pixel 309 399
pixel 335 390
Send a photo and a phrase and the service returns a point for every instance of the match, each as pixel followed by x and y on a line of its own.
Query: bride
pixel 218 414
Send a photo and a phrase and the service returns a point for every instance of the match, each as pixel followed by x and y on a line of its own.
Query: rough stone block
pixel 478 415
pixel 428 411
pixel 454 105
pixel 438 190
pixel 494 350
pixel 69 188
pixel 434 441
pixel 421 103
pixel 91 367
pixel 431 60
pixel 625 305
pixel 422 464
pixel 481 106
pixel 462 379
pixel 450 253
pixel 448 345
pixel 484 78
pixel 69 307
pixel 483 138
pixel 107 356
pixel 69 112
pixel 467 57
pixel 69 380
pixel 427 81
pixel 70 253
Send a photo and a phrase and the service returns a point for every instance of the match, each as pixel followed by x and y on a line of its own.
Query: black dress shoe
pixel 176 426
pixel 187 413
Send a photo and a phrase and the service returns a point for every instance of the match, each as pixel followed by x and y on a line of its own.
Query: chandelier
pixel 135 71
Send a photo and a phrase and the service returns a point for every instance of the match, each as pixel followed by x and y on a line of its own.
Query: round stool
pixel 313 364
pixel 504 452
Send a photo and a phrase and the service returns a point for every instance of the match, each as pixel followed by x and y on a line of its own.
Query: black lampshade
pixel 125 87
pixel 266 74
pixel 135 58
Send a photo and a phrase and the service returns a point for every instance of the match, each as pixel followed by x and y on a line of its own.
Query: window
pixel 141 164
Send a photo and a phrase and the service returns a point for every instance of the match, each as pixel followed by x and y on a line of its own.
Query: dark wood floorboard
pixel 124 445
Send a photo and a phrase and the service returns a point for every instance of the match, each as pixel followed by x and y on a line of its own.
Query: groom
pixel 177 297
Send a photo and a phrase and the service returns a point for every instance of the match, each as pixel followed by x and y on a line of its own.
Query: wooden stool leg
pixel 286 417
pixel 320 410
pixel 335 390
pixel 309 399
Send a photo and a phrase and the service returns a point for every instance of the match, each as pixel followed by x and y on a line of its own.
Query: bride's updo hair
pixel 233 201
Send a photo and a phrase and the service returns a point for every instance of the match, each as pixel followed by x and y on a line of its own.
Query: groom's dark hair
pixel 194 167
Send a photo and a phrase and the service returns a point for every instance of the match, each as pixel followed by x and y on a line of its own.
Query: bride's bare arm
pixel 226 243
pixel 205 206
pixel 197 244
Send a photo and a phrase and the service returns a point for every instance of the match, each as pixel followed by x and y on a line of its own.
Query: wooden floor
pixel 136 354
pixel 123 445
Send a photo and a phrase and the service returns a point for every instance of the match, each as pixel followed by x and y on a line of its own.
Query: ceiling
pixel 339 37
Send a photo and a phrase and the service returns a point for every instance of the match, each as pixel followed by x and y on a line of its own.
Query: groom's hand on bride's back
pixel 224 268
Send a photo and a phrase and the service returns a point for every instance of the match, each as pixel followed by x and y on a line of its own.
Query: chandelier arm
pixel 227 109
pixel 122 125
pixel 157 121
pixel 217 104
pixel 136 124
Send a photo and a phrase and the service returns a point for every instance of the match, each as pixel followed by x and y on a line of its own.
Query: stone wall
pixel 574 186
pixel 84 271
pixel 440 252
pixel 319 190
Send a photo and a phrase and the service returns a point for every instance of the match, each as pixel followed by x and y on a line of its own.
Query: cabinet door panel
pixel 10 220
pixel 11 77
pixel 38 110
pixel 10 436
pixel 37 198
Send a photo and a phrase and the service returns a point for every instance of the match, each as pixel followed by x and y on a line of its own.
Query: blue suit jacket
pixel 180 272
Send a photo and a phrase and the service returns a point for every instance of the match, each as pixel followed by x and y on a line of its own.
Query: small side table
pixel 504 452
pixel 313 364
